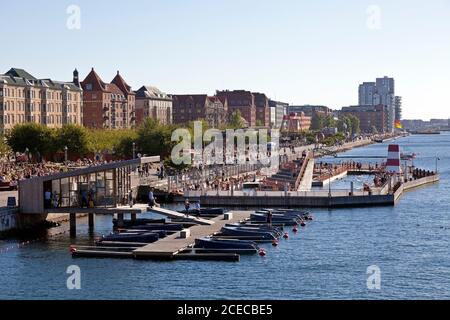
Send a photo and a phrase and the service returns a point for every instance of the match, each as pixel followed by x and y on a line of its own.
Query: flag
pixel 398 124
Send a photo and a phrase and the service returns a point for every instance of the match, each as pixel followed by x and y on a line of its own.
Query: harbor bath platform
pixel 170 246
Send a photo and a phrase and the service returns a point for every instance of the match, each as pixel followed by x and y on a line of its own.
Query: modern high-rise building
pixel 24 98
pixel 380 92
pixel 367 93
pixel 108 105
pixel 398 108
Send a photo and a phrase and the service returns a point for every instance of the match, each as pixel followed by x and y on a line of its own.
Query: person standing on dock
pixel 130 199
pixel 187 205
pixel 48 199
pixel 84 199
pixel 197 208
pixel 151 199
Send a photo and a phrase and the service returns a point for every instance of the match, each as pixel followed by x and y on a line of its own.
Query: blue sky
pixel 301 52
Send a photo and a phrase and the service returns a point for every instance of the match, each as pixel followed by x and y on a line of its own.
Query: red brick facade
pixel 188 108
pixel 241 100
pixel 107 105
pixel 262 110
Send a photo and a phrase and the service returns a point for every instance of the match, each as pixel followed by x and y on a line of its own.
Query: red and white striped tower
pixel 393 159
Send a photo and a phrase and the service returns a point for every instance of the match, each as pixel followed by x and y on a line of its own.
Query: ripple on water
pixel 326 260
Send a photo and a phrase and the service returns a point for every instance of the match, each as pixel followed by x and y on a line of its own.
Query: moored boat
pixel 131 237
pixel 156 226
pixel 249 234
pixel 255 227
pixel 209 243
pixel 276 219
pixel 137 222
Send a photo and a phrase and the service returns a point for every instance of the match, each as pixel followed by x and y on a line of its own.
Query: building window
pixel 89 87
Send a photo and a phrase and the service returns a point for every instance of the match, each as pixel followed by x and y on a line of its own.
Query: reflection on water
pixel 326 260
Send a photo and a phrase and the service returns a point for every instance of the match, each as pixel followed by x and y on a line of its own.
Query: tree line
pixel 345 124
pixel 150 138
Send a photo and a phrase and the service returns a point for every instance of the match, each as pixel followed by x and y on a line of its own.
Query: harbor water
pixel 328 259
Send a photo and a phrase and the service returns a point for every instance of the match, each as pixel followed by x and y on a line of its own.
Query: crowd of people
pixel 12 171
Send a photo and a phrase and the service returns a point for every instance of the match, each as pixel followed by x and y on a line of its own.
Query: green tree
pixel 329 121
pixel 110 141
pixel 37 138
pixel 74 137
pixel 155 139
pixel 124 146
pixel 4 147
pixel 374 130
pixel 235 121
pixel 355 124
pixel 317 122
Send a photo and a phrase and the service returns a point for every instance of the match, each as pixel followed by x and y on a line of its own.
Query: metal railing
pixel 305 193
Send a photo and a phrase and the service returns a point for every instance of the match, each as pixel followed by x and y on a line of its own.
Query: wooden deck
pixel 175 214
pixel 168 247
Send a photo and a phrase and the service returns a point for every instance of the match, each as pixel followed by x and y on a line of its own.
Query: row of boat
pixel 247 235
pixel 265 225
pixel 142 231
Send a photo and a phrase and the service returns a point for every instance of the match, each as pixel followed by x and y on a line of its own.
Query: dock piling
pixel 73 225
pixel 120 222
pixel 91 221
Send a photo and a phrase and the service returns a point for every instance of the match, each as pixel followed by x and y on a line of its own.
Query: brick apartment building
pixel 369 117
pixel 311 110
pixel 153 103
pixel 241 100
pixel 296 123
pixel 24 98
pixel 108 105
pixel 193 107
pixel 262 110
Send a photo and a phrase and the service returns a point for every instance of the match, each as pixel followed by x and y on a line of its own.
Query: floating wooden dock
pixel 175 214
pixel 171 246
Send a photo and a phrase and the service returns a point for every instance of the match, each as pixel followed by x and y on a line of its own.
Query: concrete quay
pixel 311 199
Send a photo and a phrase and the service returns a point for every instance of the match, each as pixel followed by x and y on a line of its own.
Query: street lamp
pixel 65 154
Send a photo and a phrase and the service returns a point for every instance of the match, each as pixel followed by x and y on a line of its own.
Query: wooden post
pixel 91 221
pixel 120 223
pixel 114 175
pixel 73 225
